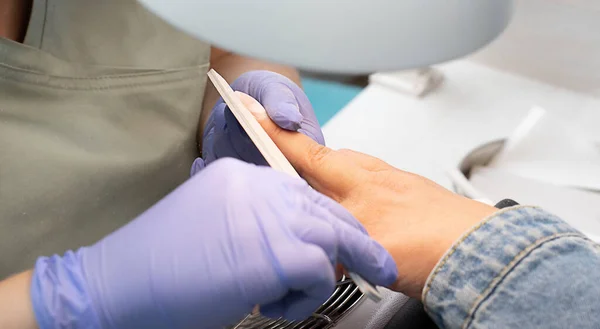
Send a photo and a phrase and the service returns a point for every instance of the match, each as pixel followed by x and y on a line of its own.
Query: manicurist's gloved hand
pixel 286 105
pixel 233 236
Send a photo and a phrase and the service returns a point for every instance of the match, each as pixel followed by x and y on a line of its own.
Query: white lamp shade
pixel 352 36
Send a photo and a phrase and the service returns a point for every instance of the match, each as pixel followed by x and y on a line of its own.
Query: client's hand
pixel 416 220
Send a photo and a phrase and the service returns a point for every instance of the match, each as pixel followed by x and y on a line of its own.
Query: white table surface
pixel 476 104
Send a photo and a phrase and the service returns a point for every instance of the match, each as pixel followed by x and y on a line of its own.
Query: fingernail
pixel 252 105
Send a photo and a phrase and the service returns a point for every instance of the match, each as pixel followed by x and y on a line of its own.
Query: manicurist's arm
pixel 16 311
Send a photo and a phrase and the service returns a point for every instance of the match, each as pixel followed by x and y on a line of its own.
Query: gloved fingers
pixel 274 310
pixel 240 142
pixel 208 144
pixel 210 122
pixel 223 146
pixel 318 232
pixel 310 278
pixel 312 130
pixel 212 133
pixel 363 255
pixel 286 104
pixel 295 306
pixel 281 105
pixel 356 251
pixel 310 125
pixel 197 166
pixel 294 112
pixel 224 136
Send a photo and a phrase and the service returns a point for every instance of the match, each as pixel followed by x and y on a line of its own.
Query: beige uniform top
pixel 98 117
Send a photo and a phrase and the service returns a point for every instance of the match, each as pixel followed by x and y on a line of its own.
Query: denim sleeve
pixel 520 268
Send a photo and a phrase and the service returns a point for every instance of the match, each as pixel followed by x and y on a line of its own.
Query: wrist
pixel 462 216
pixel 473 269
pixel 15 303
pixel 445 223
pixel 59 293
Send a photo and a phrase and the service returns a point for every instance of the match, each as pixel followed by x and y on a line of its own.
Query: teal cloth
pixel 327 97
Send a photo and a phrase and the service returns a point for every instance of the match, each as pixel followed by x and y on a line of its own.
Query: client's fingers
pixel 321 166
pixel 299 149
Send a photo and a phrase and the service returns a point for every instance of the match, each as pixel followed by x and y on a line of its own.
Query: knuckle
pixel 379 165
pixel 365 161
pixel 346 152
pixel 318 154
pixel 389 179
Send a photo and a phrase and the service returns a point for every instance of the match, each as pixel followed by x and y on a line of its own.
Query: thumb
pixel 197 166
pixel 281 105
pixel 323 168
pixel 288 106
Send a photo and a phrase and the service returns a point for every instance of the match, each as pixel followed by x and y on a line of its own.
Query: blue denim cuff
pixel 477 263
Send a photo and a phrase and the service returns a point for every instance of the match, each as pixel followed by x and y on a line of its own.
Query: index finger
pixel 322 167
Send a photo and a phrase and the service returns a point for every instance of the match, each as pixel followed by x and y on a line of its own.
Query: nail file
pixel 255 131
pixel 271 153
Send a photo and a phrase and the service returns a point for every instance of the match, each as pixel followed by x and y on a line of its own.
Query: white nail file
pixel 271 153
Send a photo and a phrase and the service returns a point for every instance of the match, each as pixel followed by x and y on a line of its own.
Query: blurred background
pixel 552 41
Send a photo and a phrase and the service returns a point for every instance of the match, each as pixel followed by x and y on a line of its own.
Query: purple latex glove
pixel 234 236
pixel 286 104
